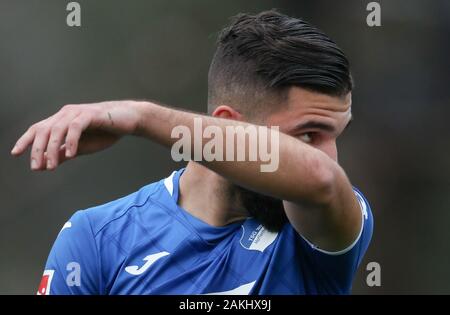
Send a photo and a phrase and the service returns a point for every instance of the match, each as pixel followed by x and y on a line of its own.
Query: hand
pixel 76 130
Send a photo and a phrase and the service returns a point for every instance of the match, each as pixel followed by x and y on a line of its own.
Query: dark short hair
pixel 259 57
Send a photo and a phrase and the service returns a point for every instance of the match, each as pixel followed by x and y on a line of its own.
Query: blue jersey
pixel 145 243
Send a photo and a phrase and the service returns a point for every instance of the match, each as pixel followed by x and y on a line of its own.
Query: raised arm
pixel 319 198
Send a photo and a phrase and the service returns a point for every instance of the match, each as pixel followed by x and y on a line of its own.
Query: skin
pixel 317 196
pixel 319 120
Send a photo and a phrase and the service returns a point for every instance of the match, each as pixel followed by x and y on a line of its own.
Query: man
pixel 222 227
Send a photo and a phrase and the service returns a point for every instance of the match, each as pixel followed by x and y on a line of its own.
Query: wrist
pixel 142 110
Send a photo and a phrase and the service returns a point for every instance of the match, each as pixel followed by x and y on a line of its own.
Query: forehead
pixel 302 105
pixel 303 100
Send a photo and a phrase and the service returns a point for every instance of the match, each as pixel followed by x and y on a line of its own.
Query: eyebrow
pixel 319 125
pixel 315 125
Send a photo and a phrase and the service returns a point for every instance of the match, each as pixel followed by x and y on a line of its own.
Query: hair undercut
pixel 259 57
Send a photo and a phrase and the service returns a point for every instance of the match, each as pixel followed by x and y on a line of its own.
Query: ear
pixel 227 112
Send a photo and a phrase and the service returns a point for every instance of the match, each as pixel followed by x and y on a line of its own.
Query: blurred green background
pixel 397 150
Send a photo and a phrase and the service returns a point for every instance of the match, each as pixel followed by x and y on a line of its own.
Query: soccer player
pixel 222 227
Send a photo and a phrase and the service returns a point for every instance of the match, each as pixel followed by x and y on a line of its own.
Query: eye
pixel 306 137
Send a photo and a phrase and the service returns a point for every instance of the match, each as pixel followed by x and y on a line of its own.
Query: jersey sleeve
pixel 73 265
pixel 336 270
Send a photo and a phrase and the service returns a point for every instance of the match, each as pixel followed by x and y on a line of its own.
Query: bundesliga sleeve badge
pixel 44 286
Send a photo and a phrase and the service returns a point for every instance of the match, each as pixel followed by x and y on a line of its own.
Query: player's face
pixel 314 118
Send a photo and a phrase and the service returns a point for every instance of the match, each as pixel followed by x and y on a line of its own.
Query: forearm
pixel 301 173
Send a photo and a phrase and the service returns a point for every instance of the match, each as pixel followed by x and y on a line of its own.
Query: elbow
pixel 324 179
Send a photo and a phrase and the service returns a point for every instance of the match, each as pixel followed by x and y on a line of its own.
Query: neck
pixel 209 197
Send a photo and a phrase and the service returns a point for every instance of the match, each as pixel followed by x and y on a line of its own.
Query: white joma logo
pixel 150 260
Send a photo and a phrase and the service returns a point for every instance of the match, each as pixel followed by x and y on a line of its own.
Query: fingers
pixel 40 141
pixel 61 155
pixel 56 139
pixel 24 141
pixel 76 128
pixel 46 139
pixel 28 137
pixel 38 148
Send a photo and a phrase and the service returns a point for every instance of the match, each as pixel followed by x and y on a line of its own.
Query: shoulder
pixel 364 237
pixel 120 210
pixel 97 239
pixel 330 272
